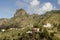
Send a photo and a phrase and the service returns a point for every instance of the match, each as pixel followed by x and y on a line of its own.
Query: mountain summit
pixel 20 12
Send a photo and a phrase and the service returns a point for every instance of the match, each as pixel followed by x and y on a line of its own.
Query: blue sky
pixel 9 7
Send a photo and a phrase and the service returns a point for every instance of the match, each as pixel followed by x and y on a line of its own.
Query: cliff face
pixel 20 12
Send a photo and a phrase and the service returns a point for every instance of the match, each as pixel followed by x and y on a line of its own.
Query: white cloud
pixel 21 4
pixel 58 1
pixel 34 3
pixel 33 6
pixel 27 1
pixel 46 7
pixel 29 5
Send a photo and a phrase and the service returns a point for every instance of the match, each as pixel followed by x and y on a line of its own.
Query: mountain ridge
pixel 23 18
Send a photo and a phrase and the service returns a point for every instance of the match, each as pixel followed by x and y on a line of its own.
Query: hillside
pixel 24 26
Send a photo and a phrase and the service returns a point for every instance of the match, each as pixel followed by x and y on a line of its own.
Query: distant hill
pixel 22 19
pixel 52 17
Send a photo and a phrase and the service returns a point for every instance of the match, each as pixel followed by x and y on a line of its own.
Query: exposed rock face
pixel 20 12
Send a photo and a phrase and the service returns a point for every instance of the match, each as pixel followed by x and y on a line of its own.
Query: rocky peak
pixel 20 12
